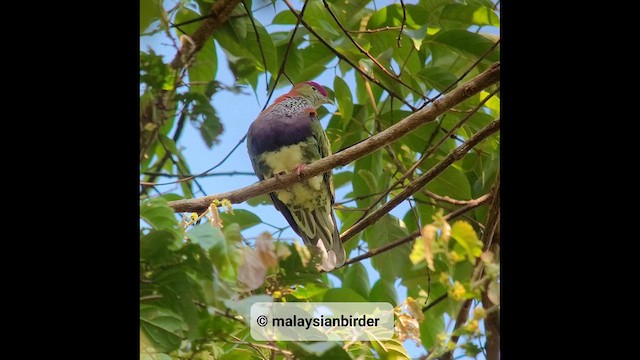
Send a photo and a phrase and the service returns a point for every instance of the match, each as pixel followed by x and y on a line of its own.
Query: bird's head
pixel 314 92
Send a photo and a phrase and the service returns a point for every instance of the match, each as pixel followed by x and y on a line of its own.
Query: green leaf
pixel 231 233
pixel 391 263
pixel 211 128
pixel 319 351
pixel 243 307
pixel 284 17
pixel 451 182
pixel 185 14
pixel 470 14
pixel 244 218
pixel 471 349
pixel 159 215
pixel 264 199
pixel 294 65
pixel 268 49
pixel 308 291
pixel 390 349
pixel 203 70
pixel 363 187
pixel 179 290
pixel 342 295
pixel 431 326
pixel 156 247
pixel 357 279
pixel 437 77
pixel 205 235
pixel 467 44
pixel 464 234
pixel 150 10
pixel 155 73
pixel 343 97
pixel 163 328
pixel 384 291
pixel 417 251
pixel 392 16
pixel 342 178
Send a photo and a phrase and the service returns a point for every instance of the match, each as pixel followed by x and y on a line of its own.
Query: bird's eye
pixel 314 88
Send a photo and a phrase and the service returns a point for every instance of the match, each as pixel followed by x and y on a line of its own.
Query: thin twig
pixel 479 201
pixel 404 20
pixel 363 148
pixel 372 31
pixel 419 183
pixel 287 353
pixel 255 28
pixel 286 53
pixel 429 152
pixel 366 53
pixel 435 302
pixel 227 173
pixel 453 84
pixel 345 59
pixel 383 248
pixel 210 169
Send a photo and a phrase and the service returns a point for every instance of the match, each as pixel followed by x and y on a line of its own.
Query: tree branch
pixel 345 59
pixel 391 134
pixel 493 220
pixel 420 182
pixel 492 329
pixel 153 112
pixel 219 14
pixel 463 315
pixel 373 59
pixel 472 205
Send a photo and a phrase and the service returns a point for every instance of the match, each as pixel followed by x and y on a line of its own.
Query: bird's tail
pixel 318 228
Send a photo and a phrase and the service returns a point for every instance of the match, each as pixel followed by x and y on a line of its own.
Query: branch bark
pixel 391 134
pixel 420 182
pixel 452 215
pixel 493 222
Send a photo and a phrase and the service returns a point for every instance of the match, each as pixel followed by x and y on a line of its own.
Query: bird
pixel 284 138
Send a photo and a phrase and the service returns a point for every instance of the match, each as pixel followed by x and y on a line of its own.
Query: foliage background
pixel 191 302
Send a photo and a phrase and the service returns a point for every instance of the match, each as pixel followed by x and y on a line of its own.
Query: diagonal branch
pixel 420 182
pixel 391 134
pixel 472 205
pixel 345 59
pixel 153 113
pixel 493 221
pixel 366 53
pixel 220 11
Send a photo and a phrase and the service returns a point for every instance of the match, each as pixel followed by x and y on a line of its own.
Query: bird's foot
pixel 299 169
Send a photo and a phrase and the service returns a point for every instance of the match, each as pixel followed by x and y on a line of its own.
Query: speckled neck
pixel 290 106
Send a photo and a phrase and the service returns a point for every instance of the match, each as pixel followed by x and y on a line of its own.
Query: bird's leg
pixel 299 169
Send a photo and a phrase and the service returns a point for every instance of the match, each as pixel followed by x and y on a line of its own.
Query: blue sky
pixel 236 112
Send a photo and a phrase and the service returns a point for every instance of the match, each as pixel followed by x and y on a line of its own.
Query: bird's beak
pixel 329 101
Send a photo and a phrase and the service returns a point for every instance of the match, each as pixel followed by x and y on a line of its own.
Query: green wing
pixel 324 149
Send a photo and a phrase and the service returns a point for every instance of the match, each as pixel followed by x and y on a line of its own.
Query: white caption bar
pixel 321 321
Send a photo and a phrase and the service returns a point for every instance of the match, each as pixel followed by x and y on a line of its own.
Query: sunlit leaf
pixel 356 279
pixel 164 328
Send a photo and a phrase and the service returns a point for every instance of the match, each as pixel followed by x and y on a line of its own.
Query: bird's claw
pixel 299 169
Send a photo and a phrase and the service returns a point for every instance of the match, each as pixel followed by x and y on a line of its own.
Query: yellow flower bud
pixel 472 326
pixel 457 291
pixel 456 257
pixel 479 313
pixel 444 278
